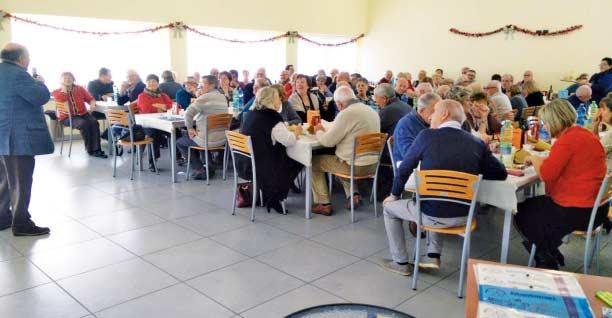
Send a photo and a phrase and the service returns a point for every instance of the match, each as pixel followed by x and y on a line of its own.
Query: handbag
pixel 244 199
pixel 137 131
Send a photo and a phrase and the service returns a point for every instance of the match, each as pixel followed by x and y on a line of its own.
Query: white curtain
pixel 312 57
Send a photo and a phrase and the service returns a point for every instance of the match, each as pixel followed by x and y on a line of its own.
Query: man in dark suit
pixel 23 135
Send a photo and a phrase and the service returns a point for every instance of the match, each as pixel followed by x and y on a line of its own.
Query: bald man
pixel 131 88
pixel 23 135
pixel 583 95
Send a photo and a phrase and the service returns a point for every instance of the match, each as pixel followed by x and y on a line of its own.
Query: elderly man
pixel 462 152
pixel 601 83
pixel 23 135
pixel 169 87
pixel 423 88
pixel 131 88
pixel 102 87
pixel 248 89
pixel 354 119
pixel 342 77
pixel 409 127
pixel 500 102
pixel 209 103
pixel 214 72
pixel 391 108
pixel 187 94
pixel 402 86
pixel 527 76
pixel 507 81
pixel 388 78
pixel 442 90
pixel 470 76
pixel 583 96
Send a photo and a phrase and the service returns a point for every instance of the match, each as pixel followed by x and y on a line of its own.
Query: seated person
pixel 152 100
pixel 391 108
pixel 463 152
pixel 130 89
pixel 102 87
pixel 572 173
pixel 186 95
pixel 580 80
pixel 302 99
pixel 409 127
pixel 404 90
pixel 270 137
pixel 327 107
pixel 480 120
pixel 209 103
pixel 582 96
pixel 75 96
pixel 517 100
pixel 354 119
pixel 363 95
pixel 603 123
pixel 532 93
pixel 257 85
pixel 601 83
pixel 287 112
pixel 500 103
pixel 169 87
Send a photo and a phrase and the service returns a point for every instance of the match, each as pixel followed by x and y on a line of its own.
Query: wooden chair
pixel 591 253
pixel 368 145
pixel 214 123
pixel 528 111
pixel 124 119
pixel 447 186
pixel 310 114
pixel 62 108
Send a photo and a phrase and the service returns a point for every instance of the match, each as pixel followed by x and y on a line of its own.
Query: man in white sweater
pixel 354 119
pixel 500 102
pixel 210 102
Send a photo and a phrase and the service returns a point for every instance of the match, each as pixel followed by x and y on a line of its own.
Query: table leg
pixel 506 237
pixel 308 192
pixel 173 154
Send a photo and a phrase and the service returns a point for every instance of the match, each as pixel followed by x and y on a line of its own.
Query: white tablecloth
pixel 302 150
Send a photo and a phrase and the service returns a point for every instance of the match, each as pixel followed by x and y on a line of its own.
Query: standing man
pixel 23 135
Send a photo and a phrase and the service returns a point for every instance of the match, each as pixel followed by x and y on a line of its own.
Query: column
pixel 178 54
pixel 291 52
pixel 5 31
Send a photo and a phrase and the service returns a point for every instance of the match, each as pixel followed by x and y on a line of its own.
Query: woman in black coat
pixel 532 94
pixel 270 136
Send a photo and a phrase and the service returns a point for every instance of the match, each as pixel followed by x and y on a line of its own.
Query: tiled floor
pixel 150 248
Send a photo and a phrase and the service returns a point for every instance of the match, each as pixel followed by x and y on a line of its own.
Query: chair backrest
pixel 447 185
pixel 220 121
pixel 312 113
pixel 62 108
pixel 133 108
pixel 117 117
pixel 239 143
pixel 529 111
pixel 369 145
pixel 390 144
pixel 604 196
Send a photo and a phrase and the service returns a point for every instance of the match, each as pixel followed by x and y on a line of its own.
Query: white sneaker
pixel 404 270
pixel 434 264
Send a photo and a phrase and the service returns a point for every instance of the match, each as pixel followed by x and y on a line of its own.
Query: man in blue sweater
pixel 445 147
pixel 583 96
pixel 601 83
pixel 411 125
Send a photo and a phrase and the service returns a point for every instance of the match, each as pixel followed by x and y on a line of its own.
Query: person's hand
pixel 410 93
pixel 390 199
pixel 192 133
pixel 534 161
pixel 319 127
pixel 161 107
pixel 298 130
pixel 124 87
pixel 486 138
pixel 509 116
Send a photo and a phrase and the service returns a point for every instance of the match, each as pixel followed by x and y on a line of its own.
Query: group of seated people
pixel 436 122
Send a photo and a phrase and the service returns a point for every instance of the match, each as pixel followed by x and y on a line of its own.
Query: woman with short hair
pixel 362 93
pixel 302 99
pixel 518 101
pixel 532 93
pixel 270 137
pixel 225 87
pixel 603 123
pixel 572 173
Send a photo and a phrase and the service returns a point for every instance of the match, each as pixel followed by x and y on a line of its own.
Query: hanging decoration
pixel 510 29
pixel 2 18
pixel 177 29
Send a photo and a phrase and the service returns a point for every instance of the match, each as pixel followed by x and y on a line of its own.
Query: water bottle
pixel 592 114
pixel 581 115
pixel 543 134
pixel 236 101
pixel 240 98
pixel 115 93
pixel 505 146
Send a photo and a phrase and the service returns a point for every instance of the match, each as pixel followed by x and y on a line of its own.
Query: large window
pixel 204 53
pixel 312 57
pixel 53 52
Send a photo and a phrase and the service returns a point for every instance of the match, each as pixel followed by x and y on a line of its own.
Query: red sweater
pixel 575 168
pixel 146 101
pixel 80 96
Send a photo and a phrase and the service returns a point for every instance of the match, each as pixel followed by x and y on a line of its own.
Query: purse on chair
pixel 244 198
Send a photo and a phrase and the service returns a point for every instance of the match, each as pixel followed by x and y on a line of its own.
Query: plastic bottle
pixel 543 134
pixel 581 115
pixel 505 145
pixel 236 100
pixel 240 98
pixel 115 93
pixel 591 115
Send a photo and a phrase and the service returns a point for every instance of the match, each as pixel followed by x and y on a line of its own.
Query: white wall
pixel 406 35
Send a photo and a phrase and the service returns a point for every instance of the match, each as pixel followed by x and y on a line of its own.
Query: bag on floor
pixel 137 131
pixel 244 199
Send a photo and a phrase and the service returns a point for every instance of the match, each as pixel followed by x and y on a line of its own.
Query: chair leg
pixel 70 147
pixel 284 209
pixel 330 180
pixel 207 171
pixel 375 202
pixel 139 162
pixel 465 253
pixel 188 163
pixel 261 202
pixel 224 161
pixel 114 164
pixel 61 129
pixel 532 255
pixel 132 163
pixel 352 203
pixel 254 202
pixel 235 189
pixel 417 258
pixel 597 250
pixel 153 159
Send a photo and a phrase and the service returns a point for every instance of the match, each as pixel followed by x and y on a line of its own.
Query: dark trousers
pixel 15 189
pixel 183 145
pixel 90 130
pixel 158 140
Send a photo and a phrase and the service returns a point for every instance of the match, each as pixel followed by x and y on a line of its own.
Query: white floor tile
pixel 354 239
pixel 154 238
pixel 18 274
pixel 428 304
pixel 256 239
pixel 121 221
pixel 47 301
pixel 61 235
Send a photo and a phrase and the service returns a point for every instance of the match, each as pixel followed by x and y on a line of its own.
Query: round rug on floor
pixel 348 311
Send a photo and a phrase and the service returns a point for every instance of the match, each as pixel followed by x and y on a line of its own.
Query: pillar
pixel 178 54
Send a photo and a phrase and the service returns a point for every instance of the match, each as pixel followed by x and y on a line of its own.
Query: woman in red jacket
pixel 152 100
pixel 75 97
pixel 572 173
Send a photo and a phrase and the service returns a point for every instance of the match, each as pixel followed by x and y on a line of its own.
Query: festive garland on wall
pixel 511 28
pixel 177 27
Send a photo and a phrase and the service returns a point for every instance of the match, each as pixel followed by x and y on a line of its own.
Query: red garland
pixel 183 26
pixel 511 28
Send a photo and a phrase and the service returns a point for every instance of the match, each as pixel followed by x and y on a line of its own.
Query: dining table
pixel 167 123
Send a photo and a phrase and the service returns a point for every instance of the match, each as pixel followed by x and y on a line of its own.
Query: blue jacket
pixel 601 84
pixel 576 102
pixel 448 149
pixel 183 98
pixel 23 128
pixel 406 130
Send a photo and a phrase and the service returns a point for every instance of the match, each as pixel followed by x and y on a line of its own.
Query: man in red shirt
pixel 75 96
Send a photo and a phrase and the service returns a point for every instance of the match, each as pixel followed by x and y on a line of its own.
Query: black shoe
pixel 559 257
pixel 199 176
pixel 152 167
pixel 5 225
pixel 119 150
pixel 180 161
pixel 276 206
pixel 294 188
pixel 546 260
pixel 30 230
pixel 99 154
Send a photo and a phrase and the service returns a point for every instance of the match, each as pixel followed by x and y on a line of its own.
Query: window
pixel 204 53
pixel 312 57
pixel 53 52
